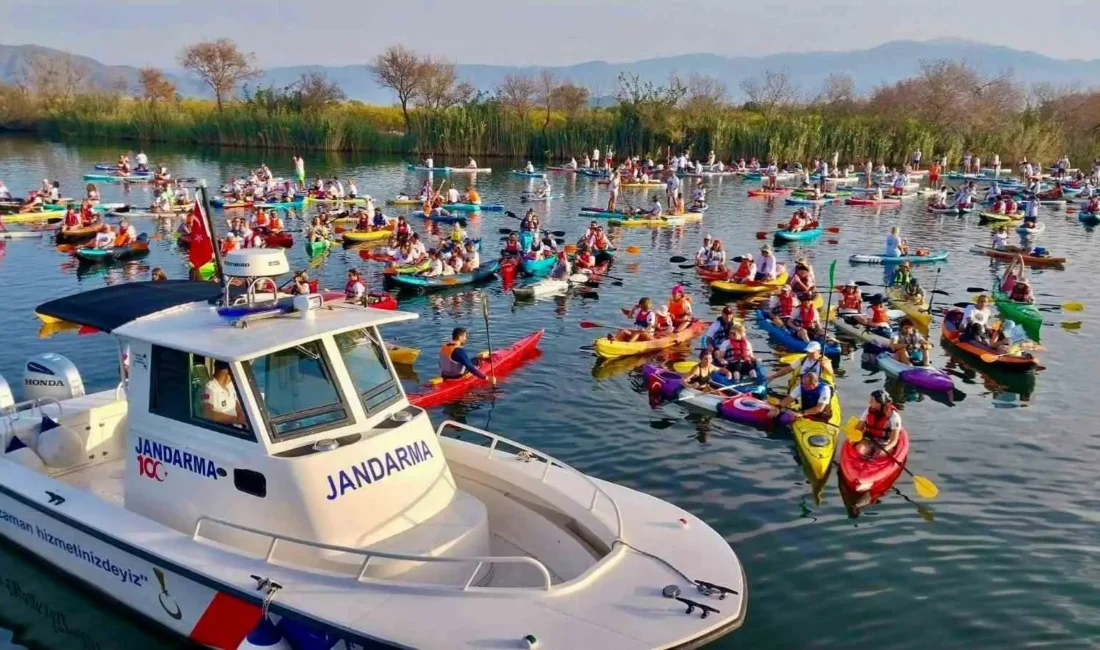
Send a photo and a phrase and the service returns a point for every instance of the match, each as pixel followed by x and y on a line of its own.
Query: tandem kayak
pixel 503 362
pixel 996 217
pixel 816 440
pixel 787 235
pixel 916 311
pixel 788 340
pixel 1029 260
pixel 873 475
pixel 484 272
pixel 923 377
pixel 744 407
pixel 932 256
pixel 664 220
pixel 113 254
pixel 1026 314
pixel 440 218
pixel 949 333
pixel 751 288
pixel 671 384
pixel 611 348
pixel 131 178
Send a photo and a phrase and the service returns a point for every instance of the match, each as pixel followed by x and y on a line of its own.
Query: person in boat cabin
pixel 814 397
pixel 679 308
pixel 219 398
pixel 880 425
pixel 851 301
pixel 735 358
pixel 909 347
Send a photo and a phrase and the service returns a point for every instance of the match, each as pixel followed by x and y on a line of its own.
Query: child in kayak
pixel 909 347
pixel 880 425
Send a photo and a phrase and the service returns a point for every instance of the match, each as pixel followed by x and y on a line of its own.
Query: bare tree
pixel 314 91
pixel 154 87
pixel 838 91
pixel 54 79
pixel 402 71
pixel 771 93
pixel 569 98
pixel 546 85
pixel 702 95
pixel 517 93
pixel 440 87
pixel 220 65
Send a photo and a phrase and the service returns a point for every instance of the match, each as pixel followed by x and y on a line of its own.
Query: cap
pixel 678 289
pixel 662 310
pixel 767 248
pixel 786 288
pixel 851 283
pixel 747 256
pixel 813 346
pixel 706 236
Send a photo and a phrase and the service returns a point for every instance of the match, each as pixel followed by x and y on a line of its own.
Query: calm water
pixel 1007 556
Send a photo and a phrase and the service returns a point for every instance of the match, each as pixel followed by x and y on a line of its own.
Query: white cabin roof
pixel 197 328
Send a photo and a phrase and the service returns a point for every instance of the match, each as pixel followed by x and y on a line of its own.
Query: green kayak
pixel 315 248
pixel 1026 315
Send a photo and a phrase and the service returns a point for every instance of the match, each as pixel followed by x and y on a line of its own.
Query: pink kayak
pixel 748 410
pixel 876 474
pixel 855 201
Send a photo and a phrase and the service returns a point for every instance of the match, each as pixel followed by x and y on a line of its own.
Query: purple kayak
pixel 923 377
pixel 743 408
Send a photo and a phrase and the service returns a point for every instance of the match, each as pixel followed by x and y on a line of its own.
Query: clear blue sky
pixel 548 32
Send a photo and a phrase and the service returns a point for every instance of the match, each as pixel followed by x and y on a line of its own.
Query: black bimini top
pixel 112 307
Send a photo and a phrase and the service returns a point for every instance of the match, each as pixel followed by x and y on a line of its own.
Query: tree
pixel 838 92
pixel 703 95
pixel 313 91
pixel 771 93
pixel 54 79
pixel 439 86
pixel 402 71
pixel 570 98
pixel 220 65
pixel 546 84
pixel 517 94
pixel 153 87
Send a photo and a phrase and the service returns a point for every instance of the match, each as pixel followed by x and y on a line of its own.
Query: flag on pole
pixel 202 246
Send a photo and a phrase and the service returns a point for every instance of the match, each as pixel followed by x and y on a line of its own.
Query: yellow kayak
pixel 752 288
pixel 816 441
pixel 33 217
pixel 667 220
pixel 404 356
pixel 372 235
pixel 917 312
pixel 405 202
pixel 610 349
pixel 314 199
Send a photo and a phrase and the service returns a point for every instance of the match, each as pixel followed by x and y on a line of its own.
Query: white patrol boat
pixel 259 480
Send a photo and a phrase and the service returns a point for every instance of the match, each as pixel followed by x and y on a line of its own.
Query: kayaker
pixel 472 195
pixel 471 164
pixel 473 258
pixel 976 320
pixel 662 323
pixel 88 216
pixel 529 168
pixel 807 321
pixel 851 300
pixel 785 306
pixel 33 203
pixel 512 247
pixel 746 269
pixel 814 362
pixel 455 362
pixel 802 282
pixel 435 265
pixel 896 246
pixel 354 290
pixel 903 275
pixel 814 397
pixel 716 261
pixel 645 320
pixel 735 356
pixel 5 193
pixel 126 234
pixel 700 375
pixel 702 256
pixel 719 330
pixel 797 221
pixel 90 193
pixel 452 195
pixel 909 347
pixel 401 228
pixel 72 218
pixel 655 209
pixel 104 239
pixel 457 234
pixel 878 321
pixel 584 260
pixel 880 425
pixel 158 275
pixel 698 196
pixel 1000 238
pixel 768 268
pixel 317 231
pixel 679 307
pixel 913 292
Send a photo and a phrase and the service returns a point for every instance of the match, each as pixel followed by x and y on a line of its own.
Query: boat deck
pixel 104 480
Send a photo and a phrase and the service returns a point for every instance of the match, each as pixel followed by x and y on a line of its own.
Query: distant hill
pixel 883 64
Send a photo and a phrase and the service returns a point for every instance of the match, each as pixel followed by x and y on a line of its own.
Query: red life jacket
pixel 663 322
pixel 1019 293
pixel 743 269
pixel 349 288
pixel 641 318
pixel 795 222
pixel 807 313
pixel 786 305
pixel 512 247
pixel 72 219
pixel 879 315
pixel 585 260
pixel 403 228
pixel 851 300
pixel 738 349
pixel 875 425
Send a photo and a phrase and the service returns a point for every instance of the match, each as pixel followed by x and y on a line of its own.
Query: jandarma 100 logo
pixel 153 456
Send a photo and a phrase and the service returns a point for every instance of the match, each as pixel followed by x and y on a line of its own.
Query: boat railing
pixel 371 554
pixel 33 407
pixel 548 460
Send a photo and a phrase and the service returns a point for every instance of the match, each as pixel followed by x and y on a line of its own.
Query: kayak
pixel 78 234
pixel 750 288
pixel 849 326
pixel 503 361
pixel 1029 260
pixel 933 256
pixel 280 239
pixel 405 201
pixel 743 407
pixel 787 235
pixel 407 269
pixel 113 254
pixel 708 275
pixel 535 268
pixel 356 236
pixel 610 348
pixel 816 441
pixel 798 200
pixel 355 201
pixel 280 205
pixel 672 384
pixel 449 170
pixel 131 178
pixel 667 220
pixel 1026 314
pixel 531 198
pixel 402 355
pixel 520 172
pixel 776 192
pixel 917 312
pixel 1089 217
pixel 1031 232
pixel 995 217
pixel 851 200
pixel 788 340
pixel 108 167
pixel 876 474
pixel 315 248
pixel 949 332
pixel 49 216
pixel 950 210
pixel 381 300
pixel 474 207
pixel 923 377
pixel 484 272
pixel 441 218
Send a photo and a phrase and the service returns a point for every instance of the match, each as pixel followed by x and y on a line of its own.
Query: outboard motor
pixel 51 375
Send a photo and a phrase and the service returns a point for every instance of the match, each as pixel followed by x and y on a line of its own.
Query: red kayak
pixel 504 361
pixel 381 300
pixel 708 275
pixel 854 201
pixel 278 240
pixel 874 475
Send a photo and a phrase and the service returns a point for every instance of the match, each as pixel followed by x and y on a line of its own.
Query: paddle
pixel 924 486
pixel 677 259
pixel 833 229
pixel 934 285
pixel 1068 306
pixel 488 338
pixel 587 325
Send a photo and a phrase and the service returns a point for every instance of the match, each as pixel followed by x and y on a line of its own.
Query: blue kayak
pixel 784 337
pixel 934 256
pixel 104 167
pixel 756 389
pixel 537 268
pixel 520 172
pixel 439 218
pixel 484 272
pixel 786 235
pixel 474 207
pixel 530 198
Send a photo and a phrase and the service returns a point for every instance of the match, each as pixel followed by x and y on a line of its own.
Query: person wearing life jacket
pixel 802 282
pixel 880 425
pixel 662 322
pixel 363 222
pixel 455 361
pixel 72 218
pixel 512 247
pixel 645 322
pixel 261 220
pixel 472 196
pixel 584 261
pixel 902 276
pixel 87 215
pixel 746 269
pixel 1010 205
pixel 1021 292
pixel 702 256
pixel 601 243
pixel 126 234
pixel 814 362
pixel 719 330
pixel 879 319
pixel 807 322
pixel 797 221
pixel 354 289
pixel 785 306
pixel 909 347
pixel 813 396
pixel 679 308
pixel 735 356
pixel 850 298
pixel 401 228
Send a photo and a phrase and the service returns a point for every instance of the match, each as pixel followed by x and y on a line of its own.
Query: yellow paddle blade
pixel 773 400
pixel 435 381
pixel 853 434
pixel 925 487
pixel 1072 325
pixel 989 357
pixel 684 367
pixel 1073 306
pixel 633 250
pixel 792 359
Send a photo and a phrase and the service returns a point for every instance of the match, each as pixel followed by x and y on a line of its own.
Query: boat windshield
pixel 297 391
pixel 366 363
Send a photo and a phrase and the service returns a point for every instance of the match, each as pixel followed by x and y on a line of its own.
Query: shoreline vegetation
pixel 946 109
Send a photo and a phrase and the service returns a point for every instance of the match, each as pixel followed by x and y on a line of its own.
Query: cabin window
pixel 366 363
pixel 186 387
pixel 297 391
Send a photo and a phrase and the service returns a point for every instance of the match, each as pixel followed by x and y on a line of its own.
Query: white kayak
pixel 860 332
pixel 544 287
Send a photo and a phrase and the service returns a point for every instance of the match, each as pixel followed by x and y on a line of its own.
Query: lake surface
pixel 1007 556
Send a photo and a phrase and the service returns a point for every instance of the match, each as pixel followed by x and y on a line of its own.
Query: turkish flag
pixel 202 247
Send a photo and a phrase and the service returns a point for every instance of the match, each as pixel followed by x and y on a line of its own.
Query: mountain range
pixel 885 63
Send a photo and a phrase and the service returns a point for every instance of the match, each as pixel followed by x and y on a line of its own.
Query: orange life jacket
pixel 879 315
pixel 276 224
pixel 678 308
pixel 877 421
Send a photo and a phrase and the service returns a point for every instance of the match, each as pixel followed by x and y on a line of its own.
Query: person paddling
pixel 814 362
pixel 814 397
pixel 880 422
pixel 455 361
